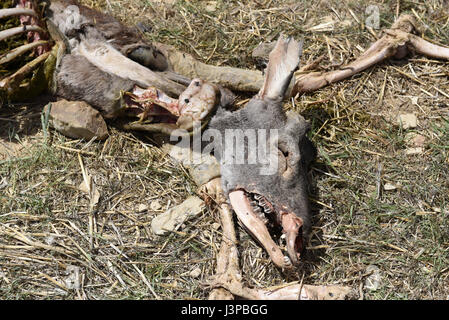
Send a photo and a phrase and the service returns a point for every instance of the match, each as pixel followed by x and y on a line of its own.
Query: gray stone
pixel 195 273
pixel 77 119
pixel 407 121
pixel 373 281
pixel 155 205
pixel 389 186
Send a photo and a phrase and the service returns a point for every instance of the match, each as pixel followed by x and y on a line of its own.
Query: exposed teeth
pixel 258 197
pixel 260 205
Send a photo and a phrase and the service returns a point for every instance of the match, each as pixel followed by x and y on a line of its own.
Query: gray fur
pixel 285 188
pixel 280 191
pixel 77 79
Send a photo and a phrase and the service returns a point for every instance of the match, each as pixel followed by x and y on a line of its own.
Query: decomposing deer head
pixel 269 198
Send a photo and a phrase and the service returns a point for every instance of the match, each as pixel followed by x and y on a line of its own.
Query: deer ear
pixel 296 124
pixel 227 98
pixel 283 62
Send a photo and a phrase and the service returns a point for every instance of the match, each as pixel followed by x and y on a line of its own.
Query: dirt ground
pixel 380 192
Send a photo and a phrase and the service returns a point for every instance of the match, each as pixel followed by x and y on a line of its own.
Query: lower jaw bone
pixel 255 225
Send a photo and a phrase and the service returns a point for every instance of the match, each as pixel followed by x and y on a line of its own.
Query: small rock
pixel 407 121
pixel 50 240
pixel 173 218
pixel 72 281
pixel 195 273
pixel 413 151
pixel 415 140
pixel 155 205
pixel 211 6
pixel 389 186
pixel 142 207
pixel 77 119
pixel 373 281
pixel 426 270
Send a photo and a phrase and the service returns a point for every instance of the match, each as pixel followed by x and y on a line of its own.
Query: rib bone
pixel 4 13
pixel 11 55
pixel 13 81
pixel 5 34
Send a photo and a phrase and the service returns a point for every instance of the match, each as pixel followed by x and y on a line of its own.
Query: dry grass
pixel 47 225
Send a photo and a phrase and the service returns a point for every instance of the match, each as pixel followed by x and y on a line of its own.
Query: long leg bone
pixel 228 258
pixel 395 42
pixel 111 60
pixel 426 48
pixel 232 78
